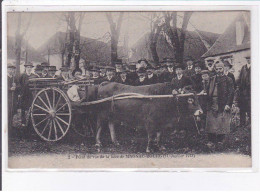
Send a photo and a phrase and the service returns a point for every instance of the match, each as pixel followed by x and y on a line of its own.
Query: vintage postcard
pixel 128 89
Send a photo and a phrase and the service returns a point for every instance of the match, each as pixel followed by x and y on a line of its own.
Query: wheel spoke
pixel 62 120
pixel 61 107
pixel 53 98
pixel 43 102
pixel 41 108
pixel 39 114
pixel 48 98
pixel 50 130
pixel 63 114
pixel 55 129
pixel 59 126
pixel 45 127
pixel 56 106
pixel 42 121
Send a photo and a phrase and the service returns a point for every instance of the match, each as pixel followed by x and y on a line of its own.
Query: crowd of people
pixel 213 79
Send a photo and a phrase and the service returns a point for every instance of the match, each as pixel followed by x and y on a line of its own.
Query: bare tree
pixel 19 35
pixel 115 33
pixel 156 27
pixel 176 36
pixel 73 46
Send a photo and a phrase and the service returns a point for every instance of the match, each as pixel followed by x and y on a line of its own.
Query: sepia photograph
pixel 128 89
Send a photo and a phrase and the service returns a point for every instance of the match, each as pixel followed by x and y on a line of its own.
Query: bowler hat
pixel 178 65
pixel 109 68
pixel 29 64
pixel 204 72
pixel 38 67
pixel 45 64
pixel 64 68
pixel 10 65
pixel 141 70
pixel 52 68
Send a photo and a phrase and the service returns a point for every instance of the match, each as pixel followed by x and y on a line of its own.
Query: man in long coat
pixel 13 91
pixel 220 98
pixel 26 94
pixel 196 78
pixel 243 94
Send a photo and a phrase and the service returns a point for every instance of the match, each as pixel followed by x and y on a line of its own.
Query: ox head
pixel 189 105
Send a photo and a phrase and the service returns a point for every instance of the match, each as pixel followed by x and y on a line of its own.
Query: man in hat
pixel 52 72
pixel 189 70
pixel 196 78
pixel 45 70
pixel 96 75
pixel 142 63
pixel 77 74
pixel 103 72
pixel 205 80
pixel 180 81
pixel 64 75
pixel 110 74
pixel 211 67
pixel 26 94
pixel 132 75
pixel 123 77
pixel 227 67
pixel 243 93
pixel 142 78
pixel 13 91
pixel 151 77
pixel 118 66
pixel 220 98
pixel 163 75
pixel 38 70
pixel 170 74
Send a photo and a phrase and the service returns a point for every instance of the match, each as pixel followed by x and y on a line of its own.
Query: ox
pixel 152 114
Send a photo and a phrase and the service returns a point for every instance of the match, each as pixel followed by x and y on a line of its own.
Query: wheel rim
pixel 51 114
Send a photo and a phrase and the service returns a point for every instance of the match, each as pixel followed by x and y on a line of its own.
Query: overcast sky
pixel 95 25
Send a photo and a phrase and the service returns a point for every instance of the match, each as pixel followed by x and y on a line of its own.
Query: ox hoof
pixel 162 148
pixel 99 145
pixel 116 144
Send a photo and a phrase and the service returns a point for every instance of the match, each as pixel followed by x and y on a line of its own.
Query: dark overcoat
pixel 197 84
pixel 180 83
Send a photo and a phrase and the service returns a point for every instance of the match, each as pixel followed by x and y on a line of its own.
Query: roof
pixel 32 54
pixel 227 42
pixel 193 46
pixel 91 50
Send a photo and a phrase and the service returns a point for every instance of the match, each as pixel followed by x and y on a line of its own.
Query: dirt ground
pixel 182 149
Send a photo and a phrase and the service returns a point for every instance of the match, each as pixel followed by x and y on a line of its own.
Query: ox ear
pixel 91 93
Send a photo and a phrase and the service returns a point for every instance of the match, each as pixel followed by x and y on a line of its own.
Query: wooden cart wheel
pixel 51 114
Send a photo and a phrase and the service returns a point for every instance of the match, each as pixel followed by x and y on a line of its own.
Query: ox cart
pixel 52 110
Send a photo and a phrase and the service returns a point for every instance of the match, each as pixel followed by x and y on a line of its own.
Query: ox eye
pixel 190 100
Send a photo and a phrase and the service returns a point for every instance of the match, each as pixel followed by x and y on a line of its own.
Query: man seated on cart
pixel 52 72
pixel 64 75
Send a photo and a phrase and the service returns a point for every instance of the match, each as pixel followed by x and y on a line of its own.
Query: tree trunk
pixel 18 48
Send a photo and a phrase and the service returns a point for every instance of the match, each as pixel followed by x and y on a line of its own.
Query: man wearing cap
pixel 110 74
pixel 189 71
pixel 52 72
pixel 211 67
pixel 132 75
pixel 151 77
pixel 45 70
pixel 13 91
pixel 26 94
pixel 123 78
pixel 196 78
pixel 38 70
pixel 243 93
pixel 180 81
pixel 220 98
pixel 170 67
pixel 227 67
pixel 162 78
pixel 64 75
pixel 142 77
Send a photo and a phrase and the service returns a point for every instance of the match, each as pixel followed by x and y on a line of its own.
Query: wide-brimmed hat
pixel 10 65
pixel 178 65
pixel 110 68
pixel 52 68
pixel 95 69
pixel 142 59
pixel 141 71
pixel 65 68
pixel 29 64
pixel 38 68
